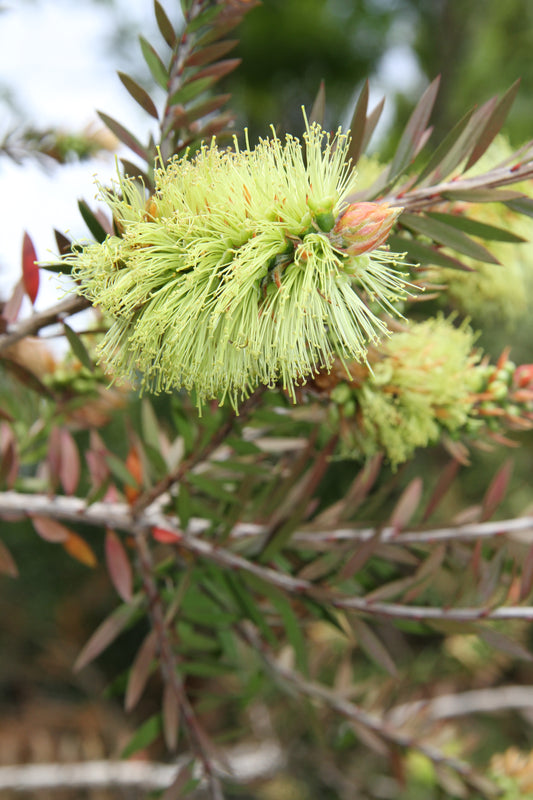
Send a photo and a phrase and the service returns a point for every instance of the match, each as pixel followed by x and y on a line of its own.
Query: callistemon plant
pixel 245 267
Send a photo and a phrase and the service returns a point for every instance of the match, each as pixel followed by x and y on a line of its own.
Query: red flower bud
pixel 365 226
pixel 523 376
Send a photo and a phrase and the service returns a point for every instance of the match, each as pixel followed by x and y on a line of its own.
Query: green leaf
pixel 124 135
pixel 77 347
pixel 183 504
pixel 468 195
pixel 493 124
pixel 190 90
pixel 248 605
pixel 293 628
pixel 149 424
pixel 26 377
pixel 490 232
pixel 424 254
pixel 212 488
pixel 447 235
pixel 139 94
pixel 155 65
pixel 443 160
pixel 92 222
pixel 204 18
pixel 414 130
pixel 522 205
pixel 144 736
pixel 120 470
pixel 164 24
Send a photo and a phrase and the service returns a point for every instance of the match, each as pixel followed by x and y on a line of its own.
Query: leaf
pixel 444 157
pixel 407 504
pixel 499 641
pixel 204 18
pixel 444 482
pixel 468 195
pixel 27 378
pixel 493 124
pixel 425 254
pixel 135 469
pixel 64 245
pixel 357 126
pixel 318 109
pixel 414 129
pixel 144 736
pixel 210 53
pixel 118 566
pixel 139 94
pixel 522 205
pixel 171 716
pixel 105 634
pixel 7 562
pixel 149 424
pixel 164 24
pixel 78 548
pixel 77 347
pixel 30 270
pixel 526 579
pixel 124 135
pixel 496 490
pixel 49 529
pixel 11 309
pixel 120 471
pixel 183 118
pixel 190 90
pixel 155 65
pixel 69 462
pixel 372 646
pixel 371 122
pixel 141 669
pixel 181 784
pixel 9 460
pixel 447 235
pixel 475 228
pixel 212 488
pixel 91 221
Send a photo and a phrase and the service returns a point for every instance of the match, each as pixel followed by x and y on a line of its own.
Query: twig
pixel 32 325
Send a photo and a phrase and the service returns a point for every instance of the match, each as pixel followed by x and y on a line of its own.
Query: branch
pixel 29 327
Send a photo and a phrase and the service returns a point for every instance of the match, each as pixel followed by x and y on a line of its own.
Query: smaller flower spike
pixel 365 226
pixel 238 271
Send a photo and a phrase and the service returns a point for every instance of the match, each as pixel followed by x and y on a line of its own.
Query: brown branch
pixel 32 325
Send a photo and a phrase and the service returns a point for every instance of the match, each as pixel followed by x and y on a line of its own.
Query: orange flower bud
pixel 365 226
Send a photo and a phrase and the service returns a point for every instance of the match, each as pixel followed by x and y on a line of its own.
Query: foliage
pixel 303 542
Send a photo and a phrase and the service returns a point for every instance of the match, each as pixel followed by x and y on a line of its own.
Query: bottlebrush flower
pixel 232 274
pixel 365 226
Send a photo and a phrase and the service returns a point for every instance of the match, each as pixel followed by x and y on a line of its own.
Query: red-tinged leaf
pixel 372 646
pixel 135 469
pixel 164 24
pixel 124 136
pixel 526 580
pixel 141 669
pixel 318 109
pixel 131 170
pixel 407 504
pixel 371 122
pixel 218 70
pixel 493 124
pixel 211 53
pixel 184 117
pixel 362 485
pixel 30 270
pixel 165 537
pixel 445 234
pixel 105 634
pixel 362 553
pixel 118 566
pixel 96 460
pixel 425 254
pixel 443 160
pixel 49 529
pixel 9 461
pixel 171 717
pixel 496 490
pixel 357 126
pixel 78 549
pixel 139 94
pixel 423 141
pixel 446 479
pixel 425 573
pixel 155 65
pixel 64 244
pixel 69 467
pixel 7 562
pixel 414 130
pixel 12 307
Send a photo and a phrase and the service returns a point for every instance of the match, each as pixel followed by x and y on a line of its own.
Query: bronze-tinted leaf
pixel 105 634
pixel 141 669
pixel 118 566
pixel 30 270
pixel 444 482
pixel 124 135
pixel 414 130
pixel 444 157
pixel 371 122
pixel 78 548
pixel 205 55
pixel 164 24
pixel 493 124
pixel 372 645
pixel 9 460
pixel 11 309
pixel 69 465
pixel 171 716
pixel 218 70
pixel 407 504
pixel 7 562
pixel 139 94
pixel 64 245
pixel 318 109
pixel 50 529
pixel 357 125
pixel 496 490
pixel 155 65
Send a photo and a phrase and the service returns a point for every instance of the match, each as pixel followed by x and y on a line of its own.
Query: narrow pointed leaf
pixel 407 504
pixel 133 171
pixel 77 347
pixel 496 490
pixel 371 123
pixel 69 466
pixel 425 254
pixel 105 634
pixel 446 479
pixel 474 228
pixel 27 378
pixel 144 736
pixel 414 130
pixel 155 65
pixel 357 125
pixel 49 529
pixel 184 118
pixel 171 717
pixel 30 270
pixel 78 548
pixel 522 205
pixel 218 70
pixel 445 234
pixel 7 562
pixel 468 195
pixel 204 18
pixel 124 135
pixel 141 669
pixel 318 109
pixel 139 94
pixel 11 309
pixel 164 24
pixel 205 55
pixel 64 245
pixel 190 90
pixel 92 222
pixel 118 566
pixel 493 124
pixel 372 646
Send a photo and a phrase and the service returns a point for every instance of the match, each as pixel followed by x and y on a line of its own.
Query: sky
pixel 56 61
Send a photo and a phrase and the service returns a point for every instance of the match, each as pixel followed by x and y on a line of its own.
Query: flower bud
pixel 523 376
pixel 365 226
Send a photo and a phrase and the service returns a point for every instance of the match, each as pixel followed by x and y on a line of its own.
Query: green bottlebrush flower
pixel 232 275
